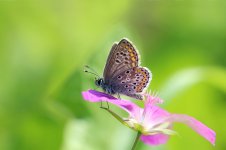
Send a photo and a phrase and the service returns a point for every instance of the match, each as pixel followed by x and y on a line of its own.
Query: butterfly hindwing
pixel 132 82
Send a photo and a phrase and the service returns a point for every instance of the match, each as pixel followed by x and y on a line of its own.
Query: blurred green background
pixel 45 44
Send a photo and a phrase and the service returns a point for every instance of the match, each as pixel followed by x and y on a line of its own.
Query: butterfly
pixel 123 73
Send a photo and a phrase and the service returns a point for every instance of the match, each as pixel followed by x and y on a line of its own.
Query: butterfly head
pixel 99 82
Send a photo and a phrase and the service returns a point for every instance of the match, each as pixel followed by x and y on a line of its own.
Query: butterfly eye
pixel 119 77
pixel 126 86
pixel 127 71
pixel 98 82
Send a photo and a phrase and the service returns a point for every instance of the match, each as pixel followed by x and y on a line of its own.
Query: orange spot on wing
pixel 133 59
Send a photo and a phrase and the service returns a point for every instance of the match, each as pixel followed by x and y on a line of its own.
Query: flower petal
pixel 96 96
pixel 156 139
pixel 152 100
pixel 154 115
pixel 196 125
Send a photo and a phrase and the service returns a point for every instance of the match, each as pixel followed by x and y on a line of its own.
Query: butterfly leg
pixel 118 96
pixel 108 106
pixel 101 105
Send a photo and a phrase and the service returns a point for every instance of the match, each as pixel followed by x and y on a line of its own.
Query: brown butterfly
pixel 122 73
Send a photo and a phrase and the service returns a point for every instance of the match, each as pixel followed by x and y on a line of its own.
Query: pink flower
pixel 154 123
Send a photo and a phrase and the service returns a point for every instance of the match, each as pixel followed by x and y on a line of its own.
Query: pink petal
pixel 154 115
pixel 95 96
pixel 154 139
pixel 196 125
pixel 152 100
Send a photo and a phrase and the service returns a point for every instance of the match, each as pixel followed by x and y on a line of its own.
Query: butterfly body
pixel 106 87
pixel 122 73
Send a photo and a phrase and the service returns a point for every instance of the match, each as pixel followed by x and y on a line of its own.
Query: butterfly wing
pixel 123 56
pixel 132 82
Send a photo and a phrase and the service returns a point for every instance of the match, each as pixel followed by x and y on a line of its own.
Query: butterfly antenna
pixel 94 71
pixel 91 72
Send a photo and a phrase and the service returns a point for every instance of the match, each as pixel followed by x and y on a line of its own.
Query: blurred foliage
pixel 45 44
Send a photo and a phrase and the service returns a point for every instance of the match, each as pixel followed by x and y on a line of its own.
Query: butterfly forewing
pixel 123 56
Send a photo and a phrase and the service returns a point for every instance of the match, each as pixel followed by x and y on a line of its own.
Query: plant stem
pixel 136 141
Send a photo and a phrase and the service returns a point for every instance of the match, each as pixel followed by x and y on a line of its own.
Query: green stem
pixel 117 117
pixel 136 141
pixel 125 123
